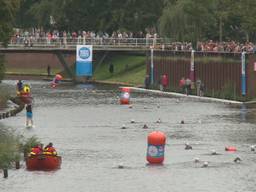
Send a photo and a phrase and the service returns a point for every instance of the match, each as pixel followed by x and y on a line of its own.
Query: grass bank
pixel 130 69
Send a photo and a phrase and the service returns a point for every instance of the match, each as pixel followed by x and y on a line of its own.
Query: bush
pixel 9 148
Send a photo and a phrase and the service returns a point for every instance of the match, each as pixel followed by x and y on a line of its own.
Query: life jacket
pixel 50 151
pixel 36 151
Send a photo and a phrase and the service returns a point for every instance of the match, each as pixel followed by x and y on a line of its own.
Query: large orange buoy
pixel 230 148
pixel 58 77
pixel 156 144
pixel 125 96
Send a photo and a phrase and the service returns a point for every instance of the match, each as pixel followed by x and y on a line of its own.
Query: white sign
pixel 84 53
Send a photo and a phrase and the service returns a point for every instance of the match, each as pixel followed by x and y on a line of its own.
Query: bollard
pixel 5 173
pixel 3 115
pixel 17 164
pixel 156 144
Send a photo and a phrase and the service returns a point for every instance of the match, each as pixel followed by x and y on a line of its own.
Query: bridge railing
pixel 100 42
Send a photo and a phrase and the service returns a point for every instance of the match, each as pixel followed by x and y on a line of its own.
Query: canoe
pixel 43 162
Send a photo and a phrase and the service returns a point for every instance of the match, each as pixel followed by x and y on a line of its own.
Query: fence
pixel 221 73
pixel 101 42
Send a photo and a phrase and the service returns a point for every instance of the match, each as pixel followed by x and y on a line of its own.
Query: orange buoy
pixel 58 77
pixel 125 89
pixel 125 96
pixel 230 148
pixel 156 144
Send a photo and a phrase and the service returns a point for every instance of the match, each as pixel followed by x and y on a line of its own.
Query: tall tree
pixel 7 14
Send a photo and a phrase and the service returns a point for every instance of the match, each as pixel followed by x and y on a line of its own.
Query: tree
pixel 7 14
pixel 187 20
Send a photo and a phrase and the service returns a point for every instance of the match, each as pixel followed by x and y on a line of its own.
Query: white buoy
pixel 132 121
pixel 253 148
pixel 123 126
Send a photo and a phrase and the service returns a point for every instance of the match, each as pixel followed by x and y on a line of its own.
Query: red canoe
pixel 43 162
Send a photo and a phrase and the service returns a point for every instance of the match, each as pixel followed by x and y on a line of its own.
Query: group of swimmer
pixel 39 150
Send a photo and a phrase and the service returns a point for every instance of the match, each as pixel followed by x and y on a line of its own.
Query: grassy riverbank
pixel 130 69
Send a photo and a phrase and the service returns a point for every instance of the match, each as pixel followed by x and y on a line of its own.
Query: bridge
pixel 69 44
pixel 31 51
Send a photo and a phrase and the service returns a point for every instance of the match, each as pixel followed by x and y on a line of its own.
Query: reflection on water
pixel 84 123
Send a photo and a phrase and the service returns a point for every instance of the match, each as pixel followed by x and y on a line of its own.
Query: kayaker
pixel 36 150
pixel 50 150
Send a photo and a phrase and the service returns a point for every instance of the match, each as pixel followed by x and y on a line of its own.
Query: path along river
pixel 84 123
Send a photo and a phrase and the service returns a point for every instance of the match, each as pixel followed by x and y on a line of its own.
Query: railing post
pixel 192 66
pixel 152 67
pixel 243 75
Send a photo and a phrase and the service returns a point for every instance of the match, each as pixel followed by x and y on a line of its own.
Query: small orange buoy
pixel 156 144
pixel 230 148
pixel 125 96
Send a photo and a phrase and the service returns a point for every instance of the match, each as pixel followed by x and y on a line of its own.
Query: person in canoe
pixel 50 150
pixel 36 150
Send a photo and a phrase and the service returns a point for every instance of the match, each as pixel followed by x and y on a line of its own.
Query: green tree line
pixel 180 20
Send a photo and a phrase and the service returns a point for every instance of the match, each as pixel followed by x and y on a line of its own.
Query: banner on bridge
pixel 84 60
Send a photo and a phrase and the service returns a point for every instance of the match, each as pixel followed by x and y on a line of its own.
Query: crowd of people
pixel 211 46
pixel 148 38
pixel 36 35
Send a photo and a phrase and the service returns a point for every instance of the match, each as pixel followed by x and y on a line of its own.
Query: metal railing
pixel 99 42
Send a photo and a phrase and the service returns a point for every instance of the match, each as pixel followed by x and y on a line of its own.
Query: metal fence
pixel 100 42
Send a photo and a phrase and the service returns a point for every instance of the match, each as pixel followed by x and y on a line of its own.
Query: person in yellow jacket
pixel 50 150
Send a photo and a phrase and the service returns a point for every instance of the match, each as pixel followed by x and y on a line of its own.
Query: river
pixel 84 123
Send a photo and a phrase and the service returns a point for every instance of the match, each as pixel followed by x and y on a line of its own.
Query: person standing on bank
pixel 188 83
pixel 48 70
pixel 29 115
pixel 147 82
pixel 164 82
pixel 111 68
